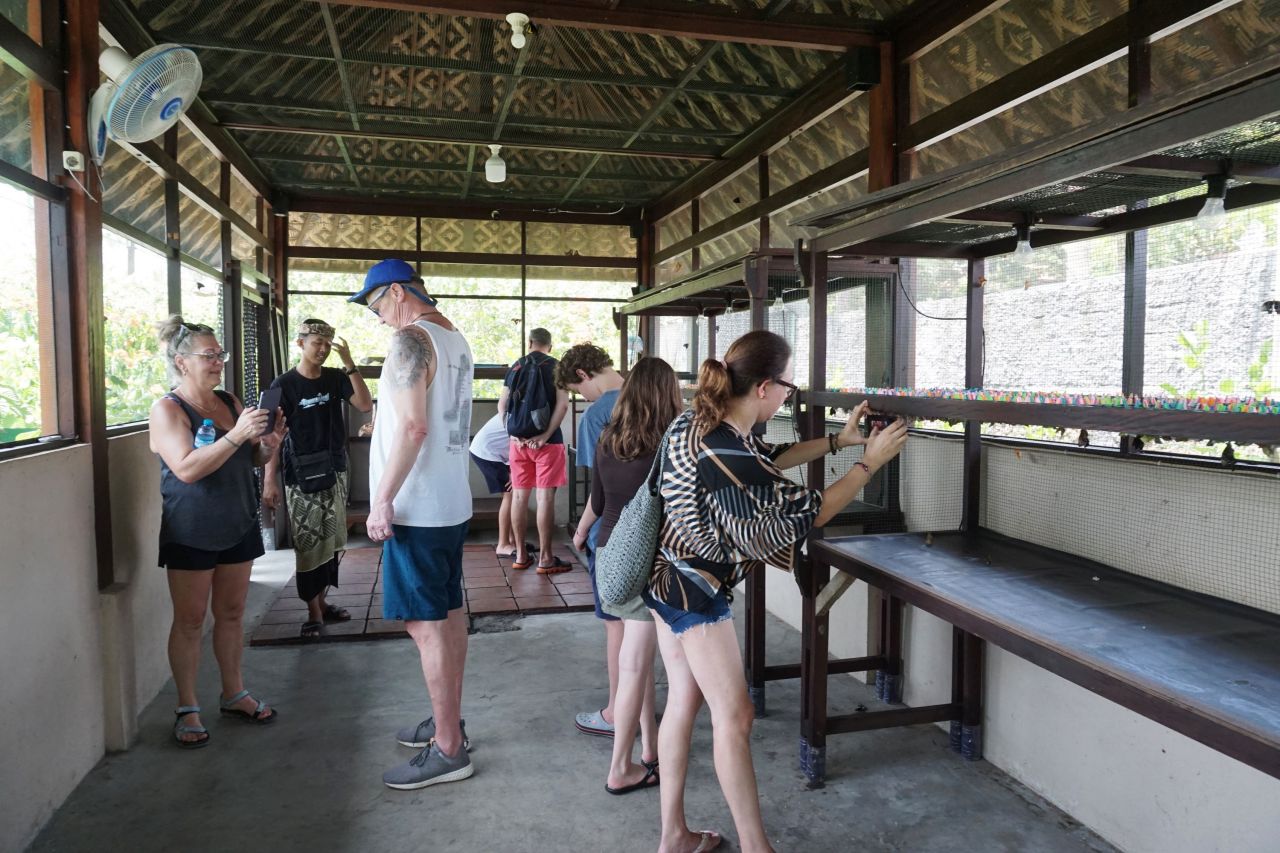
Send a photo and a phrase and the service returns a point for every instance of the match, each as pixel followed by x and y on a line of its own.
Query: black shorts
pixel 184 557
pixel 497 476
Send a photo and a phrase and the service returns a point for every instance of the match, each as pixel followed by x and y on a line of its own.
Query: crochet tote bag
pixel 623 565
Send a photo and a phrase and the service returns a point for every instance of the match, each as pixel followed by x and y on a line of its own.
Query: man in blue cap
pixel 420 505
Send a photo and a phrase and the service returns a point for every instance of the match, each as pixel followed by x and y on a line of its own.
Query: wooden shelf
pixel 1220 426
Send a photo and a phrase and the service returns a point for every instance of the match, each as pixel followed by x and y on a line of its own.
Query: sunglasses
pixel 374 302
pixel 221 355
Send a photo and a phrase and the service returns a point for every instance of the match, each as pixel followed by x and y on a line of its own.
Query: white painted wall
pixel 1140 785
pixel 51 672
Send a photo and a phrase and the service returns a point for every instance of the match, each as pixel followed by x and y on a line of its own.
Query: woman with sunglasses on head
pixel 729 509
pixel 209 534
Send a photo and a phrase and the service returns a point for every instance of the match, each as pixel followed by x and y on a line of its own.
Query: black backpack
pixel 529 406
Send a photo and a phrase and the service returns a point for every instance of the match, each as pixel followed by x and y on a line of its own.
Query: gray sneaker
pixel 429 767
pixel 424 734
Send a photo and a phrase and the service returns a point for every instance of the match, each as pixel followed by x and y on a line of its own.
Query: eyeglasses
pixel 221 355
pixel 791 389
pixel 375 301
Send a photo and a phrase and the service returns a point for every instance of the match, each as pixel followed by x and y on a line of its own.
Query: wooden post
pixel 973 379
pixel 695 223
pixel 233 326
pixel 756 275
pixel 882 162
pixel 172 228
pixel 85 248
pixel 814 576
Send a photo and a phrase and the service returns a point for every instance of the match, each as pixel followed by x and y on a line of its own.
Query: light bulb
pixel 1213 215
pixel 495 168
pixel 1024 250
pixel 519 25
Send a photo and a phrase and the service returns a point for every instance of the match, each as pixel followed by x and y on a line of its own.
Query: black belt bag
pixel 314 471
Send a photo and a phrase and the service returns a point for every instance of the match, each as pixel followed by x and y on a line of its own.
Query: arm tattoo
pixel 410 357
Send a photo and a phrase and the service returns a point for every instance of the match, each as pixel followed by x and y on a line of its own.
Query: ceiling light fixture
pixel 1024 251
pixel 495 168
pixel 519 22
pixel 1212 214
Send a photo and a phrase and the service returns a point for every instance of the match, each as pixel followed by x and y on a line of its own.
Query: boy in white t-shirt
pixel 491 452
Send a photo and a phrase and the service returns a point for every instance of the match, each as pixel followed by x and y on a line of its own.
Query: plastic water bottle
pixel 206 435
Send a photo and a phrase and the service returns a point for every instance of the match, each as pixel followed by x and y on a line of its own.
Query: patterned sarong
pixel 319 525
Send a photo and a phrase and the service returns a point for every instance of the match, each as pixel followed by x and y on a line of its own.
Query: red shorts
pixel 543 468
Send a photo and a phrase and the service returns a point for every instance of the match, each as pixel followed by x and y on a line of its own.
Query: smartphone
pixel 874 421
pixel 270 400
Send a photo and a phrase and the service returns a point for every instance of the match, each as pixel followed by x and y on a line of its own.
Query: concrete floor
pixel 311 781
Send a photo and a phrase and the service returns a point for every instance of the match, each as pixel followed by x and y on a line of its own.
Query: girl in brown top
pixel 648 403
pixel 728 509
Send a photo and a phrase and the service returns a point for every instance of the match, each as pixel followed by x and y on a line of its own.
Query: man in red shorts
pixel 533 408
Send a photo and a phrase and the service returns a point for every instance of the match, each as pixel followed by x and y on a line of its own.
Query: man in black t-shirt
pixel 315 465
pixel 537 462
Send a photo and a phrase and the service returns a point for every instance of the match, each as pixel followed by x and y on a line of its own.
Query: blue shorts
pixel 497 476
pixel 422 572
pixel 680 621
pixel 595 591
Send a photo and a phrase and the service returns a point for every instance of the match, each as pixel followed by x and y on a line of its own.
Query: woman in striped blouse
pixel 728 509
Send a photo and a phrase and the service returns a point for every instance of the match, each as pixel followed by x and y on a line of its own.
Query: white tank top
pixel 437 492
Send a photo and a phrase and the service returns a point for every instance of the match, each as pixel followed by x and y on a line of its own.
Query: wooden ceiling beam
pixel 444 168
pixel 1247 94
pixel 400 132
pixel 681 21
pixel 932 22
pixel 120 22
pixel 827 93
pixel 463 66
pixel 1051 221
pixel 582 214
pixel 373 110
pixel 1166 166
pixel 1073 59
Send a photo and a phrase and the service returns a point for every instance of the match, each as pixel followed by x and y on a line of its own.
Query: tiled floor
pixel 490 584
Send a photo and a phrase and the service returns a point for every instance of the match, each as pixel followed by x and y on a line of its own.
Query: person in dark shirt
pixel 648 403
pixel 315 465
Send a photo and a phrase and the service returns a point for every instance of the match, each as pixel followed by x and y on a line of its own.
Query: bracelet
pixel 831 440
pixel 350 370
pixel 232 443
pixel 863 466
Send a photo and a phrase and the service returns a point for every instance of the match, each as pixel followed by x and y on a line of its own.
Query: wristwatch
pixel 350 370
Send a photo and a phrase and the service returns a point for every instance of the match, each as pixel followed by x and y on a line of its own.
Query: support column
pixel 172 227
pixel 973 379
pixel 756 274
pixel 85 248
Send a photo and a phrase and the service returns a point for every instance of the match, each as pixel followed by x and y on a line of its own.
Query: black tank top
pixel 216 511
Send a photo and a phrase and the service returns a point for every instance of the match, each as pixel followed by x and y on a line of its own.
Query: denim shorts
pixel 422 572
pixel 680 621
pixel 595 590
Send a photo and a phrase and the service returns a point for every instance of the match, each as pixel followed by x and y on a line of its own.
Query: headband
pixel 324 330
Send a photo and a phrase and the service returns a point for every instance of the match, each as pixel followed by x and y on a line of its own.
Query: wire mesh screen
pixel 1210 531
pixel 846 334
pixel 931 482
pixel 788 316
pixel 1208 331
pixel 673 340
pixel 249 347
pixel 1053 320
pixel 937 291
pixel 730 327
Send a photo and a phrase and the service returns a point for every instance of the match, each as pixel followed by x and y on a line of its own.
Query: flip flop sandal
pixel 334 613
pixel 558 566
pixel 257 715
pixel 528 563
pixel 528 549
pixel 593 723
pixel 179 729
pixel 311 630
pixel 650 780
pixel 710 841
